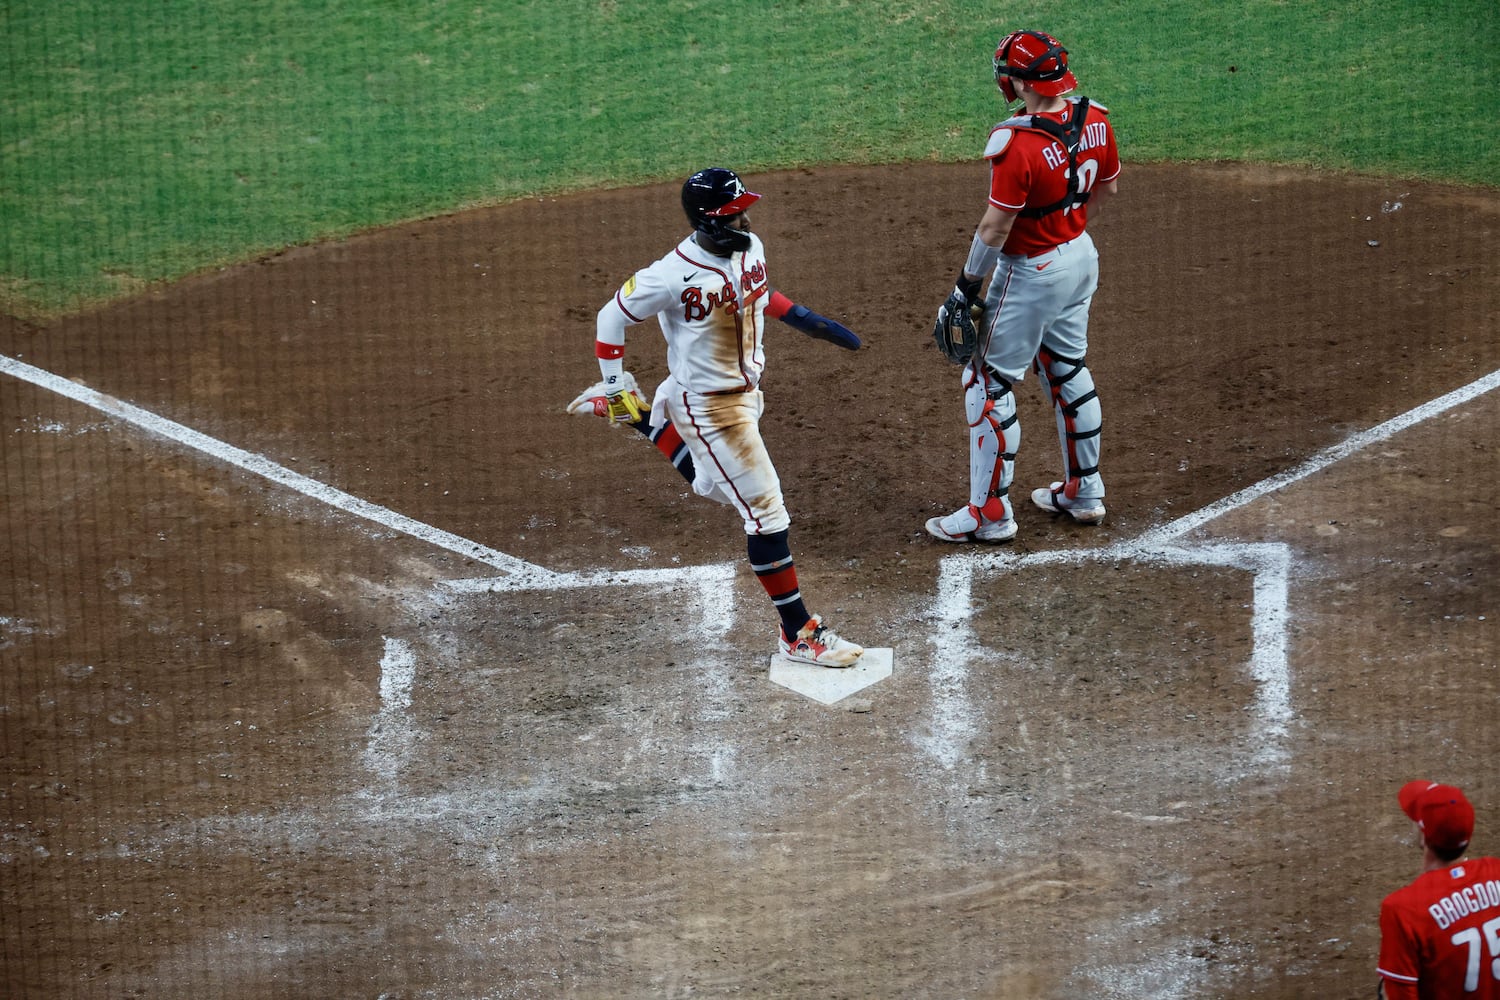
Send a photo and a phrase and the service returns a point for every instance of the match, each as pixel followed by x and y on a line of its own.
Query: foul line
pixel 1321 460
pixel 955 717
pixel 713 581
pixel 263 466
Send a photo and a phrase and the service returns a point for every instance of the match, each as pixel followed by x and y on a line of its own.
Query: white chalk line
pixel 955 717
pixel 391 734
pixel 520 575
pixel 1328 456
pixel 713 584
pixel 262 466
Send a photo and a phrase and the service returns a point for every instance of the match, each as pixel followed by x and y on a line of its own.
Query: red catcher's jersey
pixel 1029 168
pixel 1440 936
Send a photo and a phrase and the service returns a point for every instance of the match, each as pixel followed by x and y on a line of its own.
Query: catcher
pixel 710 295
pixel 1047 167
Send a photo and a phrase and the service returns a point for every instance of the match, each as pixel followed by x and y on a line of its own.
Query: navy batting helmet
pixel 710 197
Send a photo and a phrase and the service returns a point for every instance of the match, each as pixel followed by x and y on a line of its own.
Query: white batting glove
pixel 619 402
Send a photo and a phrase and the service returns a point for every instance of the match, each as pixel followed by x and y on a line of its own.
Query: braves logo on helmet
pixel 712 196
pixel 1037 58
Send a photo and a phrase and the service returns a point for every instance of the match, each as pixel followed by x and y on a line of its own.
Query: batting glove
pixel 619 403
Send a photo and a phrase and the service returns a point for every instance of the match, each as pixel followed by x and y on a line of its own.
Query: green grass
pixel 140 141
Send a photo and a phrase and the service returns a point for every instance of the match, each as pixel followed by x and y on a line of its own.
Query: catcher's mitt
pixel 619 403
pixel 955 332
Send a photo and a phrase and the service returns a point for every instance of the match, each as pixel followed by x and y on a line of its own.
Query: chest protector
pixel 1069 136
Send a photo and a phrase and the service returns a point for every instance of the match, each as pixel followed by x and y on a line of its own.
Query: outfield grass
pixel 142 141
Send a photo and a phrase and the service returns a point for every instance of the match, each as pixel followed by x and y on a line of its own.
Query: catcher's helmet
pixel 710 197
pixel 1037 58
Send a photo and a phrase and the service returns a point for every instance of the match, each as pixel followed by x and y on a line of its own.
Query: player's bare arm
pixel 1102 193
pixel 994 227
pixel 1031 245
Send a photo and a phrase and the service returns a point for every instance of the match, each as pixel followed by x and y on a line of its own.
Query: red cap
pixel 1445 816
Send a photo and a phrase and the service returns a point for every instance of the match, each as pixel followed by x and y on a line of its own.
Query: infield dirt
pixel 255 746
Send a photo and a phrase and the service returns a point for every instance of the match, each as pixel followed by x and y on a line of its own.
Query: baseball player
pixel 1440 935
pixel 1048 166
pixel 711 295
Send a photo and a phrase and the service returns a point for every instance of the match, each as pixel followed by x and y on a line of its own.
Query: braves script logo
pixel 697 304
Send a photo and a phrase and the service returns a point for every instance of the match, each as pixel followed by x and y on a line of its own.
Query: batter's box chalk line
pixel 953 716
pixel 955 646
pixel 712 584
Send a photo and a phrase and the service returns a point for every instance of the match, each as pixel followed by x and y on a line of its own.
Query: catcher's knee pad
pixel 994 435
pixel 1079 418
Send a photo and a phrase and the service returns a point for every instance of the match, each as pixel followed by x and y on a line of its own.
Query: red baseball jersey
pixel 1440 936
pixel 1029 169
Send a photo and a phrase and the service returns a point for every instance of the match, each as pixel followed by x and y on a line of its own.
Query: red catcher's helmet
pixel 712 196
pixel 1037 58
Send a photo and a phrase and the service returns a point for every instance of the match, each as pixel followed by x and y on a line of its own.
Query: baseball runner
pixel 711 296
pixel 1440 935
pixel 1048 165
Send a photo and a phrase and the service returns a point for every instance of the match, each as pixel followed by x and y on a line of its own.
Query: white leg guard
pixel 994 436
pixel 1079 422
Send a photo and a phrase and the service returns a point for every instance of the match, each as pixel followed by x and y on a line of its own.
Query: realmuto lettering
pixel 1094 134
pixel 1470 899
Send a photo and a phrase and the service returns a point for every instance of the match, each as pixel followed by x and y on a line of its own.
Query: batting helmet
pixel 1037 58
pixel 712 196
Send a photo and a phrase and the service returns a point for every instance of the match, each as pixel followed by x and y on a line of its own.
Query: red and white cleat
pixel 819 645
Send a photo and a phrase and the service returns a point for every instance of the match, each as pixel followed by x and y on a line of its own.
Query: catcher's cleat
pixel 964 525
pixel 1084 510
pixel 820 645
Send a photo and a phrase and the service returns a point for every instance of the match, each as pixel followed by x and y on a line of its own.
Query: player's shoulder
pixel 1003 135
pixel 673 258
pixel 1406 903
pixel 1093 104
pixel 655 275
pixel 1484 867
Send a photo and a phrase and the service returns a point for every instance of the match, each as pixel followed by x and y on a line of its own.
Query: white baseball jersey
pixel 711 311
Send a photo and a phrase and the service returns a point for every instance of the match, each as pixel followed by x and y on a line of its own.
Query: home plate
pixel 831 684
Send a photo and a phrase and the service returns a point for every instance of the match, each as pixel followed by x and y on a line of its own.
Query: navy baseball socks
pixel 802 636
pixel 670 444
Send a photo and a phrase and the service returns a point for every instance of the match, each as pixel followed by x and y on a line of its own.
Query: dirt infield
pixel 397 720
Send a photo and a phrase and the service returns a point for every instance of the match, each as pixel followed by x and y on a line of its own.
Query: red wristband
pixel 779 305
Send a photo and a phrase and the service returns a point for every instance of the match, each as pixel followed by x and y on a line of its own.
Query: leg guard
pixel 1079 421
pixel 994 436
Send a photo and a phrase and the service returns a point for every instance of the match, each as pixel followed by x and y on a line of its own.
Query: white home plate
pixel 830 684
